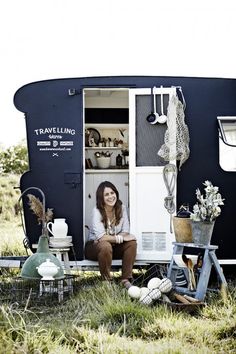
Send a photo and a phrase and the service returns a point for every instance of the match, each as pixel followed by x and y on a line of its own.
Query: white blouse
pixel 97 229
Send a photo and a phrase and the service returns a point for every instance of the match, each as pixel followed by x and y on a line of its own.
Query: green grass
pixel 9 206
pixel 11 231
pixel 11 238
pixel 102 318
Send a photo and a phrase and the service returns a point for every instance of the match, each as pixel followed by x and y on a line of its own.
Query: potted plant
pixel 205 212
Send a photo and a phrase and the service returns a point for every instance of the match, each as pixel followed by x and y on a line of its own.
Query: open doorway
pixel 106 144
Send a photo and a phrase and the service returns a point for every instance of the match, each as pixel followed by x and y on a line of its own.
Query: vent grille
pixel 154 241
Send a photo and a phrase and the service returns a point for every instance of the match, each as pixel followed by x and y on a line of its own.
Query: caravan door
pixel 149 219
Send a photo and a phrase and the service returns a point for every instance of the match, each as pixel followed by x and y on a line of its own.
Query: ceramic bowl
pixel 103 162
pixel 179 260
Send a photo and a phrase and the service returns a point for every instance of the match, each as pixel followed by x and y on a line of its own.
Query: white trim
pixel 118 262
pixel 115 262
pixel 227 261
pixel 83 134
pixel 4 263
pixel 226 117
pixel 11 263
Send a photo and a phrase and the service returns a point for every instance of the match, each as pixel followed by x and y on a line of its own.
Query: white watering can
pixel 58 228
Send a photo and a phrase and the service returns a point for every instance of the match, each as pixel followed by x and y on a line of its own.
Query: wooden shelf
pixel 107 170
pixel 103 148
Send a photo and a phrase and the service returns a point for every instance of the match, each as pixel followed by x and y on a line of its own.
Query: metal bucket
pixel 202 232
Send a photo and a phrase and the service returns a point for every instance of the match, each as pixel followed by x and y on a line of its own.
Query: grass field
pixel 101 318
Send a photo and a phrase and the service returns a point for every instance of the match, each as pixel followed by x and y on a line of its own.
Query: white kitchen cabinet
pixel 110 135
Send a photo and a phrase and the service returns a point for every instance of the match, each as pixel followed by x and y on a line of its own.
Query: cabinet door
pixel 149 219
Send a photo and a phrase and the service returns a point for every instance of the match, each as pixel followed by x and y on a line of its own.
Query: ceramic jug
pixel 58 228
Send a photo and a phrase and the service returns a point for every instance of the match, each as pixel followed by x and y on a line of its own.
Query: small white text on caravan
pixel 54 130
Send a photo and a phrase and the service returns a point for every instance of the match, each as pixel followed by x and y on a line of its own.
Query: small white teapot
pixel 59 227
pixel 47 270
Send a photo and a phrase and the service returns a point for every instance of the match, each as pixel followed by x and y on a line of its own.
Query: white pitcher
pixel 59 227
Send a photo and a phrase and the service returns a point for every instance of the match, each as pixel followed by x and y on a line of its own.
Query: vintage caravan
pixel 73 122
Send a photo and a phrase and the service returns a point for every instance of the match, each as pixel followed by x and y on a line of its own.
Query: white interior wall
pixel 106 98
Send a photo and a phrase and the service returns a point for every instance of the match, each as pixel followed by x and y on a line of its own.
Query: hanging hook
pixel 182 95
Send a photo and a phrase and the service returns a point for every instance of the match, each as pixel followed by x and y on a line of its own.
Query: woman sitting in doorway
pixel 109 236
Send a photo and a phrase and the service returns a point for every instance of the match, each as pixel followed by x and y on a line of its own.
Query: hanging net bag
pixel 176 140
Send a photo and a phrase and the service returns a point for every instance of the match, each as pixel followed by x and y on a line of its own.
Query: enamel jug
pixel 58 228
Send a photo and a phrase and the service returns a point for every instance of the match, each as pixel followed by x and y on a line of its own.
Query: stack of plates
pixel 59 242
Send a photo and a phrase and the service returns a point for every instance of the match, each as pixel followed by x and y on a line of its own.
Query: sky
pixel 48 39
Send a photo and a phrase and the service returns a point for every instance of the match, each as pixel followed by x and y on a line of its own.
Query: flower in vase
pixel 207 207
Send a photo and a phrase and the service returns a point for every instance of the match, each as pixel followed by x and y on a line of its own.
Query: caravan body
pixel 57 114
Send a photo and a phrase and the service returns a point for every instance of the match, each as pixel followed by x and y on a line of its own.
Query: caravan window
pixel 227 143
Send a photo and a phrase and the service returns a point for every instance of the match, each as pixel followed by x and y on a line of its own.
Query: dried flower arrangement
pixel 37 207
pixel 207 209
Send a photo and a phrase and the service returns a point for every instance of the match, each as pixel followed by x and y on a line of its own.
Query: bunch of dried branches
pixel 37 207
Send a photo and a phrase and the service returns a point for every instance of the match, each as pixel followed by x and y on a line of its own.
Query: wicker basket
pixel 182 229
pixel 178 306
pixel 36 292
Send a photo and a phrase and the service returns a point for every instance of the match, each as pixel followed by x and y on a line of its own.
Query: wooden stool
pixel 62 255
pixel 209 259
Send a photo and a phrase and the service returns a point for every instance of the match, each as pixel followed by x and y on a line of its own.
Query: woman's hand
pixel 112 239
pixel 107 238
pixel 129 237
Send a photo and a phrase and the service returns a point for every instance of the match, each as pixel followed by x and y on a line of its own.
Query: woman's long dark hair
pixel 101 204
